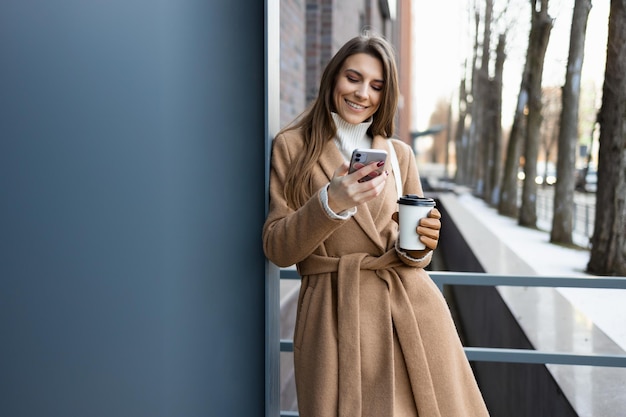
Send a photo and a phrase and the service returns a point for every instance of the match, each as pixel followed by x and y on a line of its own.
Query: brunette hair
pixel 317 124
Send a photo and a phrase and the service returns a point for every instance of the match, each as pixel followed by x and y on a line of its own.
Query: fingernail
pixel 380 163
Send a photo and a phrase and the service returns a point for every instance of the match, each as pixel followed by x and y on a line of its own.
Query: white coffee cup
pixel 412 208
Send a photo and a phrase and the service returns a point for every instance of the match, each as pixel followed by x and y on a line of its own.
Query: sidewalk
pixel 584 321
pixel 605 308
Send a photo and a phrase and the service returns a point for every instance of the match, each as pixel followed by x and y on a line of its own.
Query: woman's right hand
pixel 345 191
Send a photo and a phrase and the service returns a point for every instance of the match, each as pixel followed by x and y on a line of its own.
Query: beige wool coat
pixel 374 336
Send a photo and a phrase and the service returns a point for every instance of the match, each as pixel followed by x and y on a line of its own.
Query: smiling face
pixel 358 88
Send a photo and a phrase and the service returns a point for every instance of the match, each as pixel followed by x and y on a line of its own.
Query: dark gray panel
pixel 132 200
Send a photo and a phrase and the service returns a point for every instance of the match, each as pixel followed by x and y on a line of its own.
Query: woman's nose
pixel 361 93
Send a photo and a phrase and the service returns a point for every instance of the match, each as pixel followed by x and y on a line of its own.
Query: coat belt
pixel 348 268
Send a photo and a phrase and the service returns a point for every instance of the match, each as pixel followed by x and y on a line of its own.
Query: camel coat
pixel 373 336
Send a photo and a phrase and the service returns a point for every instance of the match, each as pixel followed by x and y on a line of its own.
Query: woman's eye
pixel 352 79
pixel 377 87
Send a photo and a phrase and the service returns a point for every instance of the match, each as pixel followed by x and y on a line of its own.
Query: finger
pixel 427 232
pixel 367 190
pixel 368 170
pixel 434 214
pixel 429 243
pixel 430 223
pixel 379 179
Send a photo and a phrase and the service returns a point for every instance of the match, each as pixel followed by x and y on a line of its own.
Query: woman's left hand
pixel 428 230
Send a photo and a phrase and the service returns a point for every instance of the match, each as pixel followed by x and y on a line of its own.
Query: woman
pixel 373 334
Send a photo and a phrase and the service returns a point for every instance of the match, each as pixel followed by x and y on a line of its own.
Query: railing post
pixel 272 273
pixel 587 220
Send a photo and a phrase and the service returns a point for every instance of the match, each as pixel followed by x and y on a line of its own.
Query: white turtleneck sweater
pixel 350 137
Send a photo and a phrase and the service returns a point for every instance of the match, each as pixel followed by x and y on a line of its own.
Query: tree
pixel 562 219
pixel 470 175
pixel 507 204
pixel 493 126
pixel 608 243
pixel 460 135
pixel 481 96
pixel 550 111
pixel 540 27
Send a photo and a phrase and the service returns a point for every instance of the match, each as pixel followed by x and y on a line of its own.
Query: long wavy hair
pixel 317 125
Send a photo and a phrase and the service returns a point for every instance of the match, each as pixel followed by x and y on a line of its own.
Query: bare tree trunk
pixel 541 25
pixel 562 219
pixel 608 244
pixel 583 178
pixel 488 139
pixel 460 136
pixel 474 111
pixel 446 162
pixel 493 127
pixel 507 205
pixel 551 102
pixel 482 97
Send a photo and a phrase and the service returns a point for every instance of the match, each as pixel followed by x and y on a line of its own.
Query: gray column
pixel 132 196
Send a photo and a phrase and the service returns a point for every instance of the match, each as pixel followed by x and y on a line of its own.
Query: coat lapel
pixel 366 213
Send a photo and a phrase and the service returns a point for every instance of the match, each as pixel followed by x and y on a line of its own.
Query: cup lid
pixel 415 200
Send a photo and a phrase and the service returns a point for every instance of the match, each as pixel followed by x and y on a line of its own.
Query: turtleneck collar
pixel 351 136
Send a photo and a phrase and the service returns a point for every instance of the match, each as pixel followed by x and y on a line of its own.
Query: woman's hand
pixel 345 191
pixel 428 230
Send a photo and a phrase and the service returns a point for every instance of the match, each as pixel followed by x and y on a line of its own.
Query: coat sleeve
pixel 289 236
pixel 411 184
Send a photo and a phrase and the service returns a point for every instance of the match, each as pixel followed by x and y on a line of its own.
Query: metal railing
pixel 583 216
pixel 483 354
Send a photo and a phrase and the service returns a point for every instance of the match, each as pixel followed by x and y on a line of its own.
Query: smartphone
pixel 362 157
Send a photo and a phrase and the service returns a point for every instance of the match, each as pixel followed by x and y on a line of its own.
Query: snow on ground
pixel 606 308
